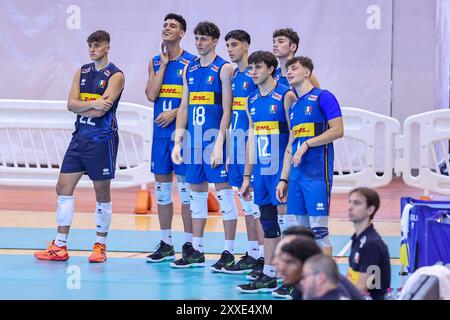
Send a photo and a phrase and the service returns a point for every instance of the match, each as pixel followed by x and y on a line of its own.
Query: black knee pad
pixel 269 221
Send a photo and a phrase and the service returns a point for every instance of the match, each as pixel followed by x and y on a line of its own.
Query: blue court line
pixel 143 241
pixel 24 277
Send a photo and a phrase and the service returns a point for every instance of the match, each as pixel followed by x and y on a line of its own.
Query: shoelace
pixel 159 245
pixel 98 249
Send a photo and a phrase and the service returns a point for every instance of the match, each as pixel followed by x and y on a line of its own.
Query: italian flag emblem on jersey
pixel 273 108
pixel 245 85
pixel 102 84
pixel 210 79
pixel 180 73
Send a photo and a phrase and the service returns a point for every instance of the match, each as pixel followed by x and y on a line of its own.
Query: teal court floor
pixel 24 277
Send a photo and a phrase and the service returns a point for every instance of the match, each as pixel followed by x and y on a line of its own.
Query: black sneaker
pixel 255 274
pixel 263 283
pixel 245 263
pixel 187 249
pixel 164 252
pixel 195 260
pixel 226 260
pixel 284 292
pixel 258 266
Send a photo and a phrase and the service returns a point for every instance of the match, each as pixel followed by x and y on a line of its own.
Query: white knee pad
pixel 227 204
pixel 103 214
pixel 249 207
pixel 183 190
pixel 199 205
pixel 286 220
pixel 163 191
pixel 64 210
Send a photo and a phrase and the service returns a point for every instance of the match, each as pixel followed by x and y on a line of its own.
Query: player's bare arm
pixel 112 92
pixel 249 159
pixel 227 101
pixel 181 123
pixel 335 131
pixel 155 80
pixel 282 185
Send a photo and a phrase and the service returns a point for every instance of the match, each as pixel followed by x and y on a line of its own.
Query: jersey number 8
pixel 199 115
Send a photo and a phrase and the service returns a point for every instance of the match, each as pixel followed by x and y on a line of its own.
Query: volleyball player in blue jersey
pixel 316 121
pixel 205 111
pixel 286 43
pixel 269 122
pixel 238 43
pixel 94 98
pixel 165 88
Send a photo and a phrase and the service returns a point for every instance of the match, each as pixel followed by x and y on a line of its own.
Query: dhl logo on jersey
pixel 266 128
pixel 171 91
pixel 201 97
pixel 304 130
pixel 239 103
pixel 89 96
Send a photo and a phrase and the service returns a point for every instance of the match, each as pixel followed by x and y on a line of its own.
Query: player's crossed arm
pixel 99 107
pixel 181 122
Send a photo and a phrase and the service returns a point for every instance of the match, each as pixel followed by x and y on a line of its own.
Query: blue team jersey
pixel 205 101
pixel 309 117
pixel 270 125
pixel 280 78
pixel 242 85
pixel 93 84
pixel 171 91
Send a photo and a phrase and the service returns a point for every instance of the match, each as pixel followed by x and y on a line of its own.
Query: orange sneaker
pixel 53 253
pixel 99 253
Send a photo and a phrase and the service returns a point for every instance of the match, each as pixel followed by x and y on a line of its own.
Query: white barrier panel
pixel 432 147
pixel 35 135
pixel 355 160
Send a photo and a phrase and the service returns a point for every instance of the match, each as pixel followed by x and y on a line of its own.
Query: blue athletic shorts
pixel 198 167
pixel 265 182
pixel 309 197
pixel 162 157
pixel 97 159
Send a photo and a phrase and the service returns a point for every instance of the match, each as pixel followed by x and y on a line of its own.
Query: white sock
pixel 253 250
pixel 101 240
pixel 197 243
pixel 188 237
pixel 261 251
pixel 229 245
pixel 167 236
pixel 61 240
pixel 270 271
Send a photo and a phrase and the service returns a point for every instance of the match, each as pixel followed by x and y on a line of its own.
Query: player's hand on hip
pixel 176 154
pixel 281 191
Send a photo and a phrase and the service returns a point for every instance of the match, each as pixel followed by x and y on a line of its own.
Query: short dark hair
pixel 207 28
pixel 99 36
pixel 304 61
pixel 177 18
pixel 240 35
pixel 299 231
pixel 324 264
pixel 264 56
pixel 288 33
pixel 301 248
pixel 372 198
